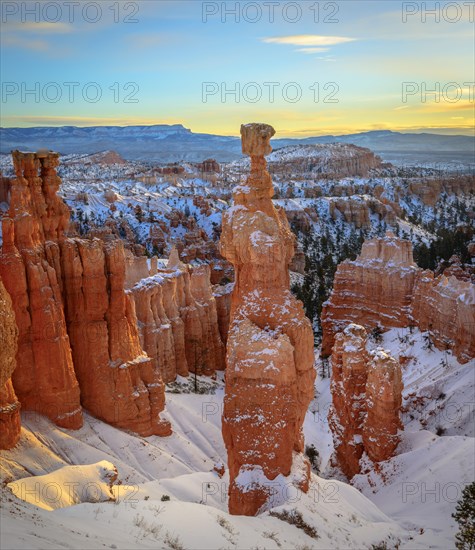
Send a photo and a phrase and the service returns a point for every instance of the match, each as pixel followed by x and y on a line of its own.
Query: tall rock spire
pixel 269 363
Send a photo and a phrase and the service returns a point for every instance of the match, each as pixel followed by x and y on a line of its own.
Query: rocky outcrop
pixel 384 288
pixel 75 320
pixel 445 306
pixel 9 405
pixel 430 189
pixel 358 209
pixel 119 382
pixel 374 290
pixel 348 387
pixel 366 393
pixel 222 295
pixel 354 210
pixel 174 302
pixel 209 165
pixel 383 405
pixel 44 379
pixel 269 362
pixel 334 160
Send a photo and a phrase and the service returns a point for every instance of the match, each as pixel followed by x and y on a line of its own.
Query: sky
pixel 308 68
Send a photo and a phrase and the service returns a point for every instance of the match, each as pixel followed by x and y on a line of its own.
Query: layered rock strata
pixel 75 320
pixel 375 289
pixel 366 393
pixel 383 287
pixel 178 320
pixel 9 405
pixel 44 379
pixel 269 361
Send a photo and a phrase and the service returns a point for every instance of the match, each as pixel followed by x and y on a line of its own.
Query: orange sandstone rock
pixel 366 401
pixel 375 289
pixel 119 383
pixel 44 380
pixel 383 405
pixel 383 287
pixel 70 304
pixel 348 387
pixel 9 405
pixel 269 362
pixel 173 303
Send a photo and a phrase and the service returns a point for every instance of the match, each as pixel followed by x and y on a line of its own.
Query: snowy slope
pixel 393 505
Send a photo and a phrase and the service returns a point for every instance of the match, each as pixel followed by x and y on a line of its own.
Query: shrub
pixel 294 517
pixel 465 517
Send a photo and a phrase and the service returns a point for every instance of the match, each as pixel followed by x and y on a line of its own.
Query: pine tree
pixel 465 517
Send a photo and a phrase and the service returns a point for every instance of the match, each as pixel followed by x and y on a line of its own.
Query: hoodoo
pixel 75 320
pixel 384 288
pixel 366 393
pixel 9 405
pixel 269 361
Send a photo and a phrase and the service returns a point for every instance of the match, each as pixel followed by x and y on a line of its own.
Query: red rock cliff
pixel 384 287
pixel 44 379
pixel 366 401
pixel 73 314
pixel 375 289
pixel 175 302
pixel 348 387
pixel 269 362
pixel 9 405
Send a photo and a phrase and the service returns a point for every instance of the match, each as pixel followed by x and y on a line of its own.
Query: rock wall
pixel 366 401
pixel 383 405
pixel 269 361
pixel 9 405
pixel 348 387
pixel 383 287
pixel 445 306
pixel 375 289
pixel 119 382
pixel 176 301
pixel 44 379
pixel 75 320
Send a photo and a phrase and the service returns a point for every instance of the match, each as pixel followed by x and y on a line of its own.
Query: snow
pixel 409 499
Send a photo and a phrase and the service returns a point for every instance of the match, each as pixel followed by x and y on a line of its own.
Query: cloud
pixel 41 27
pixel 146 40
pixel 312 50
pixel 34 45
pixel 308 40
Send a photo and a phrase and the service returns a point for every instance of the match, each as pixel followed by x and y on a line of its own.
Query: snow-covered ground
pixel 408 500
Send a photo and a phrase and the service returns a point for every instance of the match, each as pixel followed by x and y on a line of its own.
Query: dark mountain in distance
pixel 172 143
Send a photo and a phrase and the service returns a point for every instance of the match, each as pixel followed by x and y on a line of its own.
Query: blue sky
pixel 361 56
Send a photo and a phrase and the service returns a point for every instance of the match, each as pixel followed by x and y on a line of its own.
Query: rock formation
pixel 348 386
pixel 9 405
pixel 44 379
pixel 445 306
pixel 383 287
pixel 383 405
pixel 269 362
pixel 366 401
pixel 119 382
pixel 73 314
pixel 222 295
pixel 335 160
pixel 375 289
pixel 174 302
